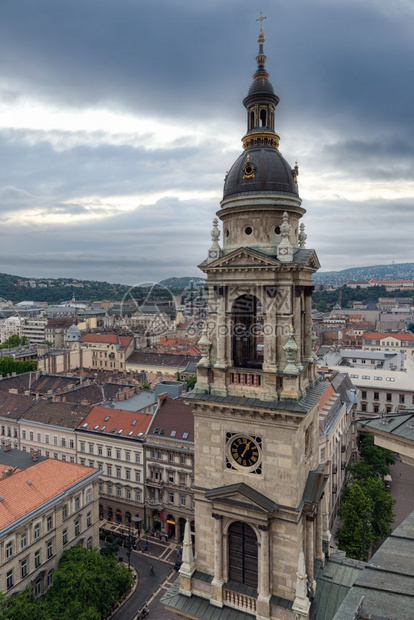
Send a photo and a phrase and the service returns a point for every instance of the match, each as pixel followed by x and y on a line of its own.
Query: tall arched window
pixel 263 118
pixel 242 554
pixel 251 120
pixel 247 332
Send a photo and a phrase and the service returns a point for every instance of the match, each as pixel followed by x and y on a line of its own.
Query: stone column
pixel 263 591
pixel 326 534
pixel 319 545
pixel 301 604
pixel 310 551
pixel 217 583
pixel 308 323
pixel 221 330
pixel 269 331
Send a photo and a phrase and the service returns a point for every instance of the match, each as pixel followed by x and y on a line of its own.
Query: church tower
pixel 258 488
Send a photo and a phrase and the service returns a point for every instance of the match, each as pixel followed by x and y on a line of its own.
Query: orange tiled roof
pixel 116 422
pixel 47 479
pixel 326 396
pixel 380 336
pixel 122 341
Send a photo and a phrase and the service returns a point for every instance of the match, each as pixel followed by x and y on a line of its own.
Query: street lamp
pixel 129 547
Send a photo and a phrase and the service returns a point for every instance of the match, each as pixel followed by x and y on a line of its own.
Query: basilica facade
pixel 260 516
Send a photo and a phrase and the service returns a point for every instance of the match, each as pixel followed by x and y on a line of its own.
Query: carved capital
pixel 215 515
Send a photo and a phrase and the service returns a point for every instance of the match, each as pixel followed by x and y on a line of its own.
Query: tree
pixel 361 471
pixel 379 458
pixel 356 536
pixel 8 365
pixel 24 606
pixel 383 504
pixel 87 585
pixel 14 341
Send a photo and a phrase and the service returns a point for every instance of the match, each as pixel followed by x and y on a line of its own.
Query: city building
pixel 10 327
pixel 337 436
pixel 377 341
pixel 49 428
pixel 56 331
pixel 169 464
pixel 112 440
pixel 109 351
pixel 45 508
pixel 260 516
pixel 34 330
pixel 12 408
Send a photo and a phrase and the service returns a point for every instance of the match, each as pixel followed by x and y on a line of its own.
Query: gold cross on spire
pixel 261 19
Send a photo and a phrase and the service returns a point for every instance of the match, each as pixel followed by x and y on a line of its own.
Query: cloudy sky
pixel 119 118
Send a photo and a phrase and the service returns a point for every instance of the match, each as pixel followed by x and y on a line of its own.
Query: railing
pixel 245 378
pixel 239 601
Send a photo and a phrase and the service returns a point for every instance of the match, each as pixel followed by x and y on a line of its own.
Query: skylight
pixel 185 435
pixel 173 433
pixel 106 419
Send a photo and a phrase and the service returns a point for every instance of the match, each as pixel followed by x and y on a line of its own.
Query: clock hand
pixel 246 448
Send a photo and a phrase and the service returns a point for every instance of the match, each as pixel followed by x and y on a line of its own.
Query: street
pixel 147 583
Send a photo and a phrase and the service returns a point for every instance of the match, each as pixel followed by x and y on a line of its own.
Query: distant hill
pixel 401 271
pixel 16 288
pixel 179 284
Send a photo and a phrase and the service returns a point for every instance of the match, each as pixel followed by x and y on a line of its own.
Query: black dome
pixel 259 86
pixel 272 174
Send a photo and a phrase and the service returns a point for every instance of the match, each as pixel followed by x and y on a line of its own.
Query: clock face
pixel 244 451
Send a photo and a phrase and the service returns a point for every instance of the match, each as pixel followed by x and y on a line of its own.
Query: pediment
pixel 242 495
pixel 242 257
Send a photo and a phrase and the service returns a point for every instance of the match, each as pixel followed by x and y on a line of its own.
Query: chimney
pixel 13 391
pixel 35 455
pixel 161 398
pixel 84 402
pixel 7 447
pixel 7 472
pixel 56 399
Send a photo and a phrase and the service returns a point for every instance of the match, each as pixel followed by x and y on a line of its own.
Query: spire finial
pixel 261 20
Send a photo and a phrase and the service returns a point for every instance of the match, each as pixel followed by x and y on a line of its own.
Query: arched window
pixel 242 543
pixel 251 119
pixel 263 118
pixel 247 330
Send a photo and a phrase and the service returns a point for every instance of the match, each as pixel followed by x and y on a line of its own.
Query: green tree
pixel 361 471
pixel 356 536
pixel 87 585
pixel 8 365
pixel 24 606
pixel 379 458
pixel 14 341
pixel 383 505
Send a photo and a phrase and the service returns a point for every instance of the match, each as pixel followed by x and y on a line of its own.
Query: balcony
pixel 157 484
pixel 239 601
pixel 155 503
pixel 246 378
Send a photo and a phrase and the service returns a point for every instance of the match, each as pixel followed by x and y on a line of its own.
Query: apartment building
pixel 45 508
pixel 169 466
pixel 379 341
pixel 49 428
pixel 34 330
pixel 112 440
pixel 109 351
pixel 337 436
pixel 10 327
pixel 12 408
